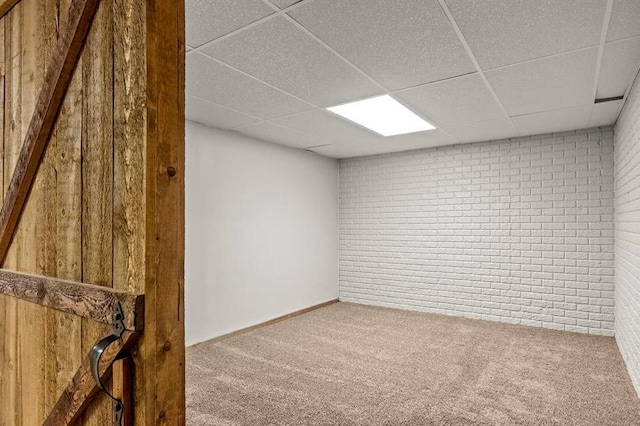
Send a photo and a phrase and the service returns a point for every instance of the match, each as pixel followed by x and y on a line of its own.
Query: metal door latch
pixel 96 354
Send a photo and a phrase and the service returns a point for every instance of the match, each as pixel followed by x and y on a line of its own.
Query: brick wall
pixel 627 223
pixel 519 231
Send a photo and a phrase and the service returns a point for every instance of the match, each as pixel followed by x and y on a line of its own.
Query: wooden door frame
pixel 163 340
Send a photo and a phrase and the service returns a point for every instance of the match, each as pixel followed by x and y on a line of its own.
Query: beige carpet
pixel 356 365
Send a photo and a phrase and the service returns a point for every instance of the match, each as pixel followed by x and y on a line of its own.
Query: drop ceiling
pixel 477 70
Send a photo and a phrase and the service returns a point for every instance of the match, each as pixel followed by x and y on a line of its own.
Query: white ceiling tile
pixel 605 113
pixel 340 139
pixel 484 131
pixel 399 44
pixel 417 140
pixel 207 20
pixel 329 128
pixel 339 151
pixel 349 140
pixel 619 65
pixel 411 141
pixel 503 32
pixel 281 54
pixel 461 100
pixel 279 135
pixel 403 45
pixel 217 83
pixel 546 84
pixel 625 20
pixel 214 115
pixel 554 121
pixel 285 3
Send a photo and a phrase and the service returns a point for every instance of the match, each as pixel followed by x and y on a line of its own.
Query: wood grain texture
pixel 97 178
pixel 3 348
pixel 20 100
pixel 130 130
pixel 60 328
pixel 130 117
pixel 165 386
pixel 83 300
pixel 12 138
pixel 61 251
pixel 49 101
pixel 87 215
pixel 97 150
pixel 78 394
pixel 32 375
pixel 122 388
pixel 6 7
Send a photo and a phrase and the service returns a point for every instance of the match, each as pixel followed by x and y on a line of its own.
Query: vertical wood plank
pixel 45 180
pixel 2 112
pixel 11 113
pixel 30 345
pixel 122 379
pixel 68 154
pixel 13 92
pixel 97 178
pixel 165 211
pixel 11 139
pixel 129 141
pixel 31 319
pixel 64 199
pixel 97 150
pixel 3 371
pixel 47 229
pixel 47 225
pixel 130 100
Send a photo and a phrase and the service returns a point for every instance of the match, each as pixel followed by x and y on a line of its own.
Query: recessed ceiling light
pixel 383 115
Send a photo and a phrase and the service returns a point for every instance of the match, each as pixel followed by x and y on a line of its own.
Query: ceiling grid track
pixel 633 77
pixel 261 120
pixel 553 55
pixel 473 59
pixel 603 40
pixel 226 107
pixel 359 70
pixel 630 85
pixel 566 93
pixel 277 13
pixel 315 38
pixel 258 120
pixel 231 67
pixel 273 6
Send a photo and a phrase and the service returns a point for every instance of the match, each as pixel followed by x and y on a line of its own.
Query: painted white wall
pixel 261 231
pixel 627 226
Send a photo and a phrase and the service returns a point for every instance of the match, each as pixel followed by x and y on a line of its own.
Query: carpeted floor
pixel 357 365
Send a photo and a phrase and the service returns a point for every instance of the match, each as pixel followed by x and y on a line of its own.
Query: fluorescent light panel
pixel 383 115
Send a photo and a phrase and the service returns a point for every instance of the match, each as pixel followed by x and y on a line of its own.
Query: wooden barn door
pixel 92 220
